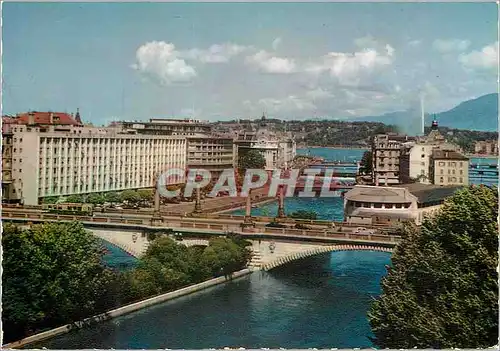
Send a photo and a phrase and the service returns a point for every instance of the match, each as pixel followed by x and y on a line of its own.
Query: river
pixel 317 302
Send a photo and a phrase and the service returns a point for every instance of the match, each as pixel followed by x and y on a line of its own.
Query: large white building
pixel 277 150
pixel 60 160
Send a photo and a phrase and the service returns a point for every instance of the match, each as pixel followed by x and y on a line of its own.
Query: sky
pixel 220 61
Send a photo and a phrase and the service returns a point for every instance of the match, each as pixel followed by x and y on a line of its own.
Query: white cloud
pixel 217 53
pixel 487 58
pixel 268 63
pixel 319 93
pixel 289 104
pixel 276 43
pixel 450 45
pixel 349 66
pixel 161 61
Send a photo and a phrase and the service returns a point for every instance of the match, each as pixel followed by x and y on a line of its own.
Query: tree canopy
pixel 52 275
pixel 442 288
pixel 251 159
pixel 366 165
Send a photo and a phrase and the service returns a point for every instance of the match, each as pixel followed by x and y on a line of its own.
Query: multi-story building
pixel 277 151
pixel 161 126
pixel 415 163
pixel 386 152
pixel 61 160
pixel 448 167
pixel 487 147
pixel 387 205
pixel 212 153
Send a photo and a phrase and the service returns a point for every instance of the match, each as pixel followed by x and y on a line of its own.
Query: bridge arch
pixel 319 250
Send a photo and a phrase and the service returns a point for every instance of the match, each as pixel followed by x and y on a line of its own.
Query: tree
pixel 366 165
pixel 52 275
pixel 75 198
pixel 112 196
pixel 145 194
pixel 304 214
pixel 251 159
pixel 442 288
pixel 95 199
pixel 50 200
pixel 130 196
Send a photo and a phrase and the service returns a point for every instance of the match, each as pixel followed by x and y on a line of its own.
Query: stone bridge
pixel 267 254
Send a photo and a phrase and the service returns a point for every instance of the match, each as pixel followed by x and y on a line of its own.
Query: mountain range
pixel 479 114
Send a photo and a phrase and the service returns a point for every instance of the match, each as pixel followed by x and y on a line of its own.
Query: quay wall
pixel 124 310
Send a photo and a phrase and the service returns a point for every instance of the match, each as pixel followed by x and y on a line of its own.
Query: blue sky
pixel 235 60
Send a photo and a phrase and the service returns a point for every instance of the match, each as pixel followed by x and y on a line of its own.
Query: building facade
pixel 278 151
pixel 487 147
pixel 212 153
pixel 387 205
pixel 386 152
pixel 449 167
pixel 163 126
pixel 64 160
pixel 415 163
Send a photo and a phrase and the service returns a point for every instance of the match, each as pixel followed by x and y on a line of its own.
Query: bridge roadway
pixel 130 235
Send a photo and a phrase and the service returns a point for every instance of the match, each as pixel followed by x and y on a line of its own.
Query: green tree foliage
pixel 112 197
pixel 96 199
pixel 251 159
pixel 167 265
pixel 75 198
pixel 52 275
pixel 303 214
pixel 442 288
pixel 366 165
pixel 130 196
pixel 145 194
pixel 50 200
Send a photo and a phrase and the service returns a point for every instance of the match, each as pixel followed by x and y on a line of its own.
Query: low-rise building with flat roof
pixel 365 204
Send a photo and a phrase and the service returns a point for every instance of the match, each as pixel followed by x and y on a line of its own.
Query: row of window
pixel 452 180
pixel 379 205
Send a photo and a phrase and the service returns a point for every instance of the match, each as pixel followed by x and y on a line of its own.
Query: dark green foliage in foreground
pixel 168 266
pixel 366 166
pixel 303 214
pixel 52 275
pixel 442 289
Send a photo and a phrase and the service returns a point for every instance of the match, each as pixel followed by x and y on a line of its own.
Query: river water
pixel 317 302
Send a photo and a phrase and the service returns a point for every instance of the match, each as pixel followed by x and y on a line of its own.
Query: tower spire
pixel 77 116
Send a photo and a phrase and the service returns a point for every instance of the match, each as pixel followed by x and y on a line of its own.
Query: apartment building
pixel 487 147
pixel 448 167
pixel 416 162
pixel 212 153
pixel 61 160
pixel 386 151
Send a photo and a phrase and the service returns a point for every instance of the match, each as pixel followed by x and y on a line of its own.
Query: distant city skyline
pixel 126 61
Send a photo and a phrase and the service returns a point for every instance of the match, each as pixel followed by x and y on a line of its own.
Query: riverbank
pixel 125 310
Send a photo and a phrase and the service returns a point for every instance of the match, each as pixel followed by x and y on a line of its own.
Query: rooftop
pixel 448 155
pixel 47 118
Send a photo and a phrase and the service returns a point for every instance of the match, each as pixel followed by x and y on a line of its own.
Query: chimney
pixel 51 118
pixel 31 118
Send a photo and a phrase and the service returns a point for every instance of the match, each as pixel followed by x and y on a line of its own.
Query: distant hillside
pixel 479 114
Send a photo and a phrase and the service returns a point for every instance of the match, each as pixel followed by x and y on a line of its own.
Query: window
pixel 377 205
pixel 441 180
pixel 422 172
pixel 442 171
pixel 461 172
pixel 461 180
pixel 423 149
pixel 441 164
pixel 423 156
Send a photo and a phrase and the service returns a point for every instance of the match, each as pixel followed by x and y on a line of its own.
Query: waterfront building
pixel 415 161
pixel 386 153
pixel 486 147
pixel 277 150
pixel 365 204
pixel 448 167
pixel 64 159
